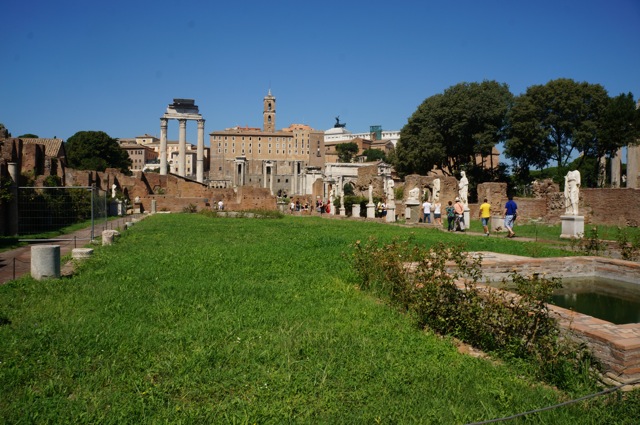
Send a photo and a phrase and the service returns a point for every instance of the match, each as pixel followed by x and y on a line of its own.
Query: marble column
pixel 633 163
pixel 163 146
pixel 615 168
pixel 182 147
pixel 264 174
pixel 200 153
pixel 294 170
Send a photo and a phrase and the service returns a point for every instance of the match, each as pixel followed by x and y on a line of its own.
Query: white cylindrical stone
pixel 81 253
pixel 45 261
pixel 108 237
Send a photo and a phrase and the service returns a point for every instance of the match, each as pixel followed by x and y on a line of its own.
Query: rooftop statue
pixel 338 124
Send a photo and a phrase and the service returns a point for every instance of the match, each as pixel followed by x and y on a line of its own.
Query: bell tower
pixel 269 113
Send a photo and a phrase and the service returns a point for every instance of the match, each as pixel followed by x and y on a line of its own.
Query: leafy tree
pixel 346 151
pixel 28 136
pixel 95 150
pixel 374 155
pixel 554 122
pixel 449 130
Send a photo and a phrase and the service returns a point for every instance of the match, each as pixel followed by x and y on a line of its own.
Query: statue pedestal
pixel 572 226
pixel 412 211
pixel 495 223
pixel 391 213
pixel 355 210
pixel 371 210
pixel 467 218
pixel 343 211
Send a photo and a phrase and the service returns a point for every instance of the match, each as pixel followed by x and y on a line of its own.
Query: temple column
pixel 163 146
pixel 615 168
pixel 200 153
pixel 271 181
pixel 633 160
pixel 264 174
pixel 294 169
pixel 182 147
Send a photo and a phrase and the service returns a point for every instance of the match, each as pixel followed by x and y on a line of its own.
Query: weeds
pixel 629 246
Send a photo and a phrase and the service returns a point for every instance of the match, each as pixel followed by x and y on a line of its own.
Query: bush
pixel 439 287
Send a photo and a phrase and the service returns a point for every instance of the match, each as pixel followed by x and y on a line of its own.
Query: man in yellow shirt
pixel 485 215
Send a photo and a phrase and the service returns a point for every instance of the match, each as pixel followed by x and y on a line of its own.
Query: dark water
pixel 611 300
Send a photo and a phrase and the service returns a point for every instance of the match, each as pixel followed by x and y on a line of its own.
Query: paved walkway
pixel 17 262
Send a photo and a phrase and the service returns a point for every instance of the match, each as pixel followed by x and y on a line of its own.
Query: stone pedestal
pixel 153 206
pixel 412 211
pixel 343 211
pixel 391 213
pixel 495 223
pixel 355 210
pixel 45 261
pixel 109 236
pixel 572 226
pixel 137 207
pixel 81 253
pixel 467 218
pixel 371 210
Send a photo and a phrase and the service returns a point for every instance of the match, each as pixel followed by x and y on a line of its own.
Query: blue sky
pixel 115 65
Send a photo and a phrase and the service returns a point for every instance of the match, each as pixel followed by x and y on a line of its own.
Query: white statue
pixel 463 189
pixel 113 190
pixel 414 194
pixel 370 194
pixel 436 190
pixel 390 190
pixel 571 192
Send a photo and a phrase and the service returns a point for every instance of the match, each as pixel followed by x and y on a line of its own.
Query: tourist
pixel 459 211
pixel 451 216
pixel 426 211
pixel 510 216
pixel 485 215
pixel 292 206
pixel 437 215
pixel 220 205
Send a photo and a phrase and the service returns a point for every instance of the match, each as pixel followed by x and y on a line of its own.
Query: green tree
pixel 346 151
pixel 449 130
pixel 28 136
pixel 554 122
pixel 95 150
pixel 374 155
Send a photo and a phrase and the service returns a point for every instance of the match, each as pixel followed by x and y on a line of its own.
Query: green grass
pixel 209 320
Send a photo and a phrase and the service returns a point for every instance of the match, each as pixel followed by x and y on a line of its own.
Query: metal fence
pixel 46 209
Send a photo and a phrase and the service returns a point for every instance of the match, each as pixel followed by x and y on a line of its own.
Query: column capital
pixel 164 122
pixel 182 122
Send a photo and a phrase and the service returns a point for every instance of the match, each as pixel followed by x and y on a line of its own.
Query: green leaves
pixel 95 150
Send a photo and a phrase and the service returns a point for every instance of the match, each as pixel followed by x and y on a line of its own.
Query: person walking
pixel 485 215
pixel 510 216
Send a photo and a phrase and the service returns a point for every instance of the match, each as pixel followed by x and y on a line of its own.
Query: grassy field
pixel 191 319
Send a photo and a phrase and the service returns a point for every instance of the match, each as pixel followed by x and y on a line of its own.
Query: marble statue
pixel 414 194
pixel 463 189
pixel 436 190
pixel 370 194
pixel 113 190
pixel 571 192
pixel 390 190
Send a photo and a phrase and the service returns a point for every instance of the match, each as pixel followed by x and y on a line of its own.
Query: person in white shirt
pixel 426 210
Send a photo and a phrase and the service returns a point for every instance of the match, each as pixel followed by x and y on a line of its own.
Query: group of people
pixel 297 206
pixel 455 215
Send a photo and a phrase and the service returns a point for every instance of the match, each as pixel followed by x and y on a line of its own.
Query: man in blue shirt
pixel 510 215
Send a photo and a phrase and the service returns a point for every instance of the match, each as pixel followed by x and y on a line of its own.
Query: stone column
pixel 294 175
pixel 14 173
pixel 45 261
pixel 182 147
pixel 615 168
pixel 264 175
pixel 271 180
pixel 633 159
pixel 163 146
pixel 200 154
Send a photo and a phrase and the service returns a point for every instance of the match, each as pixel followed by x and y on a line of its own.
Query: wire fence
pixel 46 209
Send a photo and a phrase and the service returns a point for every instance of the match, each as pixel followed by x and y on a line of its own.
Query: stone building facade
pixel 265 158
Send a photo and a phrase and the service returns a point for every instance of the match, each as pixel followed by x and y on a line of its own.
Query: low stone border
pixel 617 347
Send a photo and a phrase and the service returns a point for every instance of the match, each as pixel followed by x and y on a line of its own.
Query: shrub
pixel 439 287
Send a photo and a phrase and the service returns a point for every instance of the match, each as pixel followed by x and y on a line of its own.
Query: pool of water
pixel 607 299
